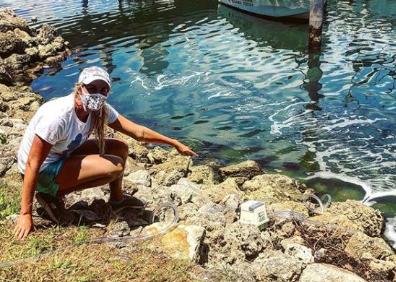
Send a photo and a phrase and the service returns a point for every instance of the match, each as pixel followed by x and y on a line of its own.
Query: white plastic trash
pixel 255 213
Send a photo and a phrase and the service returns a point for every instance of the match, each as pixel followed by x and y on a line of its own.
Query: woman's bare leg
pixel 93 170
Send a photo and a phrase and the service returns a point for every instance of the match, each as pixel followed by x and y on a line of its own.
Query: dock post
pixel 316 14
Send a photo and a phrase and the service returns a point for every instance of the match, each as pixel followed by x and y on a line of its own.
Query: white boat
pixel 272 8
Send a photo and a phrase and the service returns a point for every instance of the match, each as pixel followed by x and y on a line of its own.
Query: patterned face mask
pixel 93 102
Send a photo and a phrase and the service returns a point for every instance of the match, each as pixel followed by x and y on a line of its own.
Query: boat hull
pixel 272 8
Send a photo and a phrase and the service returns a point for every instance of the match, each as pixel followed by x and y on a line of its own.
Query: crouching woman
pixel 56 157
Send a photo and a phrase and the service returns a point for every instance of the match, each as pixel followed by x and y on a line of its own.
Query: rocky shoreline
pixel 342 243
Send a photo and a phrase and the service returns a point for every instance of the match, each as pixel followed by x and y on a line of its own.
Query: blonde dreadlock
pixel 98 122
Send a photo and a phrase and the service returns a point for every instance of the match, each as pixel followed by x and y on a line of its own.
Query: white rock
pixel 140 178
pixel 185 189
pixel 300 252
pixel 319 272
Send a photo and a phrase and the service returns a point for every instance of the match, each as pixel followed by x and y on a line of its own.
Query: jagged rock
pixel 246 169
pixel 9 21
pixel 277 266
pixel 185 190
pixel 169 172
pixel 378 265
pixel 10 43
pixel 3 106
pixel 365 218
pixel 18 61
pixel 202 174
pixel 33 52
pixel 300 252
pixel 46 34
pixel 45 51
pixel 212 212
pixel 272 188
pixel 362 246
pixel 137 151
pixel 232 201
pixel 218 192
pixel 182 242
pixel 247 239
pixel 319 272
pixel 292 240
pixel 86 195
pixel 139 178
pixel 353 214
pixel 227 247
pixel 118 229
pixel 6 73
pixel 158 155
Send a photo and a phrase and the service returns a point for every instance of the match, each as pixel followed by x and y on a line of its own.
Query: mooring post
pixel 315 24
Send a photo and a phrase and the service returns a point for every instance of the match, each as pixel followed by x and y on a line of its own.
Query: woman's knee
pixel 118 147
pixel 115 166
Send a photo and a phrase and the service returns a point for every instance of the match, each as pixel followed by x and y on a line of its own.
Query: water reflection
pixel 276 34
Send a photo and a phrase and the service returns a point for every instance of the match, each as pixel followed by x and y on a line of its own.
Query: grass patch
pixel 69 259
pixel 9 201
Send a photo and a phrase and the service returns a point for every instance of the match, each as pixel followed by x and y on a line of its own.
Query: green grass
pixel 69 259
pixel 9 201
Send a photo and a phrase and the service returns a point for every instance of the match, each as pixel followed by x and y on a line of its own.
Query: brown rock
pixel 218 192
pixel 9 21
pixel 360 246
pixel 202 174
pixel 353 214
pixel 273 188
pixel 246 169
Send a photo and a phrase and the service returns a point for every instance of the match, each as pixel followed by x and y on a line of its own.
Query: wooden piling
pixel 316 15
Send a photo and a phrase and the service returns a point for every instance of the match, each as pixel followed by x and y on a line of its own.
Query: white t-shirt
pixel 57 123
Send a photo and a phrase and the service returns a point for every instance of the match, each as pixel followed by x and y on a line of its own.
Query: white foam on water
pixel 350 122
pixel 390 231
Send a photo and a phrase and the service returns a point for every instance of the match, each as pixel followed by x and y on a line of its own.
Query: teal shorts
pixel 46 180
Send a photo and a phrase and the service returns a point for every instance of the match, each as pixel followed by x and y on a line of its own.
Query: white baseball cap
pixel 94 73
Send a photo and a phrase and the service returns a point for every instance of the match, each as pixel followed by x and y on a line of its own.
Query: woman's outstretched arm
pixel 38 153
pixel 145 134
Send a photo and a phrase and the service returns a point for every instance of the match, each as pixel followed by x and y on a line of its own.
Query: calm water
pixel 236 87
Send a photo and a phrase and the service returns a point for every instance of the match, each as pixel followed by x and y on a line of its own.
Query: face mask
pixel 93 102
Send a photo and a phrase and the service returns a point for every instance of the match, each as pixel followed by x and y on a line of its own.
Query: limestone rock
pixel 276 266
pixel 9 21
pixel 10 43
pixel 232 201
pixel 273 188
pixel 137 150
pixel 139 178
pixel 18 61
pixel 378 265
pixel 292 240
pixel 185 190
pixel 365 218
pixel 218 192
pixel 46 34
pixel 300 252
pixel 7 75
pixel 202 174
pixel 318 272
pixel 362 246
pixel 212 212
pixel 246 169
pixel 86 195
pixel 169 172
pixel 183 242
pixel 247 239
pixel 158 155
